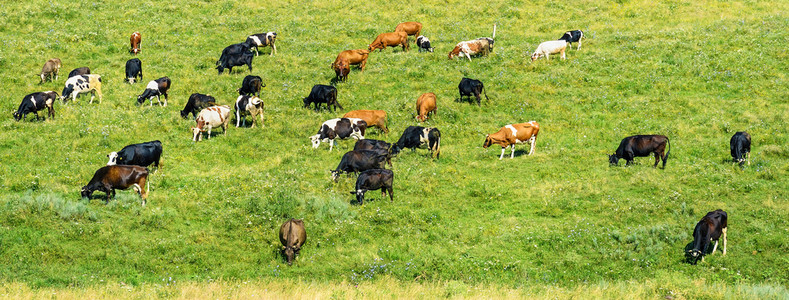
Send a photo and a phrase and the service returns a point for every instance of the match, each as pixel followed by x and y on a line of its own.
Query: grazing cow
pixel 234 55
pixel 390 39
pixel 710 228
pixel 248 105
pixel 34 102
pixel 548 48
pixel 196 103
pixel 425 105
pixel 374 179
pixel 512 134
pixel 251 86
pixel 573 36
pixel 142 154
pixel 342 128
pixel 133 69
pixel 292 236
pixel 424 44
pixel 79 71
pixel 356 161
pixel 341 68
pixel 481 46
pixel 262 40
pixel 416 136
pixel 209 118
pixel 383 148
pixel 136 42
pixel 322 94
pixel 740 144
pixel 109 178
pixel 375 118
pixel 50 69
pixel 82 84
pixel 472 87
pixel 410 28
pixel 641 145
pixel 354 57
pixel 156 88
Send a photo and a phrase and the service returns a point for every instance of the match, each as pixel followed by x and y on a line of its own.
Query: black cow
pixel 416 136
pixel 342 128
pixel 379 146
pixel 133 69
pixel 251 86
pixel 196 103
pixel 472 87
pixel 142 154
pixel 740 145
pixel 234 55
pixel 357 161
pixel 109 178
pixel 423 43
pixel 34 102
pixel 641 145
pixel 79 71
pixel 574 36
pixel 374 179
pixel 155 88
pixel 710 228
pixel 322 94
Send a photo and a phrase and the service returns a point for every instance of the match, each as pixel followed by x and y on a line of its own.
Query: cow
pixel 354 57
pixel 740 145
pixel 410 28
pixel 262 40
pixel 292 236
pixel 34 102
pixel 196 103
pixel 356 161
pixel 374 179
pixel 251 86
pixel 341 128
pixel 135 41
pixel 641 145
pixel 472 87
pixel 234 55
pixel 574 36
pixel 109 178
pixel 710 228
pixel 82 84
pixel 425 105
pixel 49 70
pixel 79 71
pixel 142 154
pixel 390 39
pixel 133 70
pixel 375 118
pixel 322 94
pixel 424 44
pixel 209 118
pixel 550 47
pixel 248 105
pixel 416 136
pixel 382 147
pixel 341 68
pixel 512 134
pixel 155 88
pixel 480 46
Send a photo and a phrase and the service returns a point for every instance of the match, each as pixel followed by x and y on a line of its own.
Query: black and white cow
pixel 356 161
pixel 155 88
pixel 248 105
pixel 379 146
pixel 142 154
pixel 472 87
pixel 251 86
pixel 710 228
pixel 133 69
pixel 81 84
pixel 641 145
pixel 262 40
pixel 740 145
pixel 79 71
pixel 322 94
pixel 419 137
pixel 341 128
pixel 34 102
pixel 374 179
pixel 424 44
pixel 573 36
pixel 196 103
pixel 234 55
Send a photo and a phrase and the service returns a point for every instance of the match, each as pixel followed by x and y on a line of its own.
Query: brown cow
pixel 341 68
pixel 50 69
pixel 512 134
pixel 135 41
pixel 375 118
pixel 354 57
pixel 469 48
pixel 108 178
pixel 292 236
pixel 410 28
pixel 425 105
pixel 390 39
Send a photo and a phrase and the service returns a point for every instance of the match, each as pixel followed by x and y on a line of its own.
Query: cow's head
pixel 290 253
pixel 357 134
pixel 306 102
pixel 394 150
pixel 693 256
pixel 114 159
pixel 136 51
pixel 488 141
pixel 196 134
pixel 359 195
pixel 454 52
pixel 140 99
pixel 613 159
pixel 17 116
pixel 270 37
pixel 86 192
pixel 335 175
pixel 421 118
pixel 535 56
pixel 316 141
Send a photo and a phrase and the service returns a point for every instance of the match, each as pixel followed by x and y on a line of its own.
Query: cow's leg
pixel 92 95
pixel 502 152
pixel 364 63
pixel 36 113
pixel 748 158
pixel 715 247
pixel 563 56
pixel 331 145
pixel 533 142
pixel 724 240
pixel 657 159
pixel 391 196
pixel 209 131
pixel 512 151
pixel 238 119
pixel 479 99
pixel 579 45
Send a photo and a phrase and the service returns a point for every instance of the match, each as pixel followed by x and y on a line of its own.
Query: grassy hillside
pixel 696 71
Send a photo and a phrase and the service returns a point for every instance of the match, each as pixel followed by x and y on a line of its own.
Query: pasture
pixel 559 223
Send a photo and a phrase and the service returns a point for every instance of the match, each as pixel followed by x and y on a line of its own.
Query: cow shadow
pixel 334 81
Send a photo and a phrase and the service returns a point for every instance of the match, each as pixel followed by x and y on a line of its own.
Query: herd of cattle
pixel 128 167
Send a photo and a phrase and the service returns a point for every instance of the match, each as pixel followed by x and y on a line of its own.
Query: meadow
pixel 560 223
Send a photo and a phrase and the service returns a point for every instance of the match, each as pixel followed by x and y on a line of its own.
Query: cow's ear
pixel 353 193
pixel 108 156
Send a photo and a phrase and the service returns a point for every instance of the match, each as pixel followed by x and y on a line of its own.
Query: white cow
pixel 209 118
pixel 548 48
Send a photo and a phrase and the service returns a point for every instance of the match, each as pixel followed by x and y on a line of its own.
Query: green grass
pixel 696 71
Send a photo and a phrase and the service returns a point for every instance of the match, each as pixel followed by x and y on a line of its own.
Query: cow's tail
pixel 668 150
pixel 486 93
pixel 494 31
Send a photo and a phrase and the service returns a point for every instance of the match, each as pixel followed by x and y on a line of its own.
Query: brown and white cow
pixel 375 118
pixel 109 178
pixel 292 236
pixel 209 118
pixel 469 48
pixel 425 105
pixel 390 39
pixel 354 57
pixel 50 69
pixel 410 28
pixel 135 40
pixel 512 134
